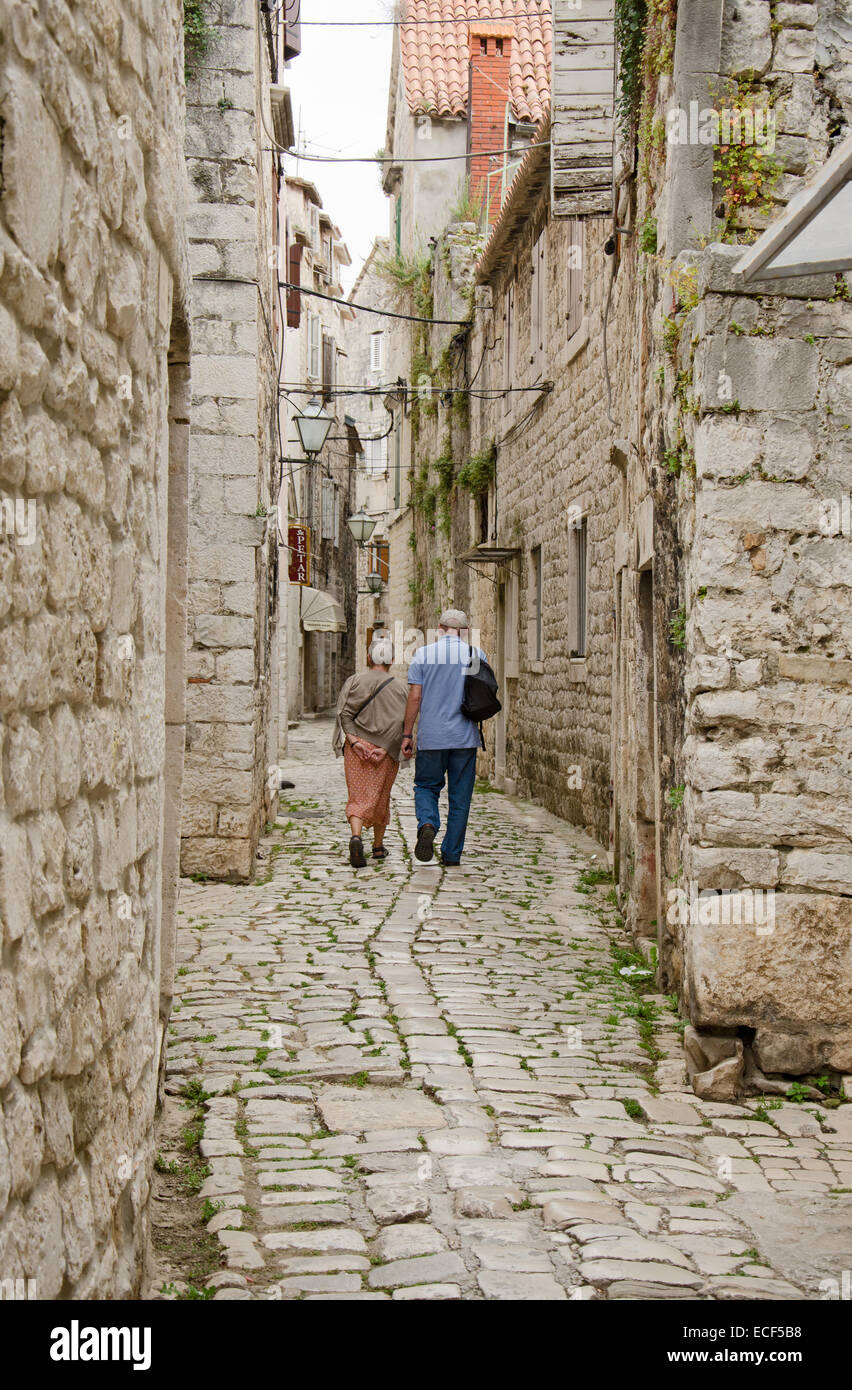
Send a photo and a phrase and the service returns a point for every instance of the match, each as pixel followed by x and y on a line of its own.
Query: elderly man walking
pixel 446 739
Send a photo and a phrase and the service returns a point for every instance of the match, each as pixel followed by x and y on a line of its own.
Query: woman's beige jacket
pixel 381 721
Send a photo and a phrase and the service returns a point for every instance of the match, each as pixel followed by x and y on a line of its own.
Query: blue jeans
pixel 431 766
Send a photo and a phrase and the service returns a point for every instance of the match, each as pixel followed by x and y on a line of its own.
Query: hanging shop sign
pixel 299 544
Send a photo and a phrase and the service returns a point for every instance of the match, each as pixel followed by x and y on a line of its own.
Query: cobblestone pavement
pixel 436 1083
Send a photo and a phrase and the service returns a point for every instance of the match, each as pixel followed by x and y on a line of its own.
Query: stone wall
pixel 232 677
pixel 322 660
pixel 733 599
pixel 552 470
pixel 93 454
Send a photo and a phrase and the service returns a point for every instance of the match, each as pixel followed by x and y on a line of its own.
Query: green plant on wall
pixel 630 16
pixel 648 235
pixel 469 206
pixel 656 58
pixel 197 34
pixel 412 276
pixel 744 174
pixel 477 475
pixel 677 628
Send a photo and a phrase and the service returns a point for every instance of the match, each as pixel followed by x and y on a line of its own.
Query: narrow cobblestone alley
pixel 441 1084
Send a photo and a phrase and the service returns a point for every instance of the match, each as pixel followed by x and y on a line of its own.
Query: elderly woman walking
pixel 368 733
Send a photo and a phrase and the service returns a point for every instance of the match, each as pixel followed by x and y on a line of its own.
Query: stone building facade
pixel 233 661
pixel 93 458
pixel 319 493
pixel 622 468
pixel 374 361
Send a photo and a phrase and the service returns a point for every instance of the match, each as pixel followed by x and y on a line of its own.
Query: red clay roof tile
pixel 435 55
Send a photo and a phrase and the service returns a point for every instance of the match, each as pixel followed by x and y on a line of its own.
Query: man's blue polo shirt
pixel 440 668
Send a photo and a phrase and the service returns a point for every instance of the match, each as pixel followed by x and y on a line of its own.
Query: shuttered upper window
pixel 377 353
pixel 574 272
pixel 314 346
pixel 508 346
pixel 294 276
pixel 538 306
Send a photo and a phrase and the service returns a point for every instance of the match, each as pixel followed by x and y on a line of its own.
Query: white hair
pixel 381 651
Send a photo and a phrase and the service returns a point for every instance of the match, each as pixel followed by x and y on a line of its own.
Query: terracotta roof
pixel 435 55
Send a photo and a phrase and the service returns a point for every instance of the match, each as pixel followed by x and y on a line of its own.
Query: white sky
pixel 339 89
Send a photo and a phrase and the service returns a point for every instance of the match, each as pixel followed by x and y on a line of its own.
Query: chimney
pixel 490 47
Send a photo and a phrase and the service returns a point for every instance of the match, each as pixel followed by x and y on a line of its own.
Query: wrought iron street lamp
pixel 362 526
pixel 313 426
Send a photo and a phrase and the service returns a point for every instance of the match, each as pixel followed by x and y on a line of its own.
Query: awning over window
pixel 321 612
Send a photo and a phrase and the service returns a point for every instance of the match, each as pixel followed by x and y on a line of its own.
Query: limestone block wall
pixel 732 579
pixel 93 366
pixel 232 680
pixel 552 466
pixel 769 641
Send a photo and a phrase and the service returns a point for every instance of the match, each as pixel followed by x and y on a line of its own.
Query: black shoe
pixel 423 849
pixel 449 863
pixel 356 852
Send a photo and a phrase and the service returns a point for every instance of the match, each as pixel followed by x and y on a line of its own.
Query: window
pixel 337 515
pixel 377 354
pixel 482 518
pixel 376 457
pixel 294 275
pixel 378 559
pixel 534 630
pixel 315 227
pixel 510 640
pixel 328 491
pixel 313 346
pixel 577 561
pixel 538 306
pixel 329 364
pixel 508 346
pixel 574 271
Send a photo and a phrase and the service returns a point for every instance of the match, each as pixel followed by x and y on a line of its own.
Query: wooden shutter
pixel 508 346
pixel 538 306
pixel 535 329
pixel 313 346
pixel 327 366
pixel 542 304
pixel 574 273
pixel 294 276
pixel 380 559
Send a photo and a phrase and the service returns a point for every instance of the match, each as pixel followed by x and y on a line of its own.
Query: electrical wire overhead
pixel 519 150
pixel 368 308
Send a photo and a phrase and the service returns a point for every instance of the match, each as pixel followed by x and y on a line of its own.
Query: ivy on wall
pixel 197 34
pixel 630 16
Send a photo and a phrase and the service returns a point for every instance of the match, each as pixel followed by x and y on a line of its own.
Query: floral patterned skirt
pixel 369 787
